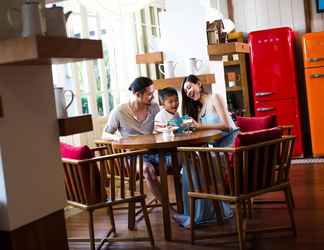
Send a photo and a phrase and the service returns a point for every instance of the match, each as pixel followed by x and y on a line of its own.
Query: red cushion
pixel 82 153
pixel 253 137
pixel 75 152
pixel 256 123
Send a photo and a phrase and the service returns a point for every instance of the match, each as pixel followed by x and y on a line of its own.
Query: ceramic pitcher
pixel 169 69
pixel 193 66
pixel 61 106
pixel 56 21
pixel 30 22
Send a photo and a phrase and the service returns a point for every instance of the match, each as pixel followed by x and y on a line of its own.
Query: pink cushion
pixel 75 152
pixel 256 123
pixel 253 137
pixel 82 153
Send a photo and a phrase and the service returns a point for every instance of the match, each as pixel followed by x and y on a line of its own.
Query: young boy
pixel 170 103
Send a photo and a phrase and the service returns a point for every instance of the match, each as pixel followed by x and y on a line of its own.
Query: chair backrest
pixel 241 170
pixel 86 181
pixel 111 150
pixel 247 124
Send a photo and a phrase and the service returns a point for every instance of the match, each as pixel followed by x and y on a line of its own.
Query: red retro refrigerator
pixel 274 78
pixel 313 50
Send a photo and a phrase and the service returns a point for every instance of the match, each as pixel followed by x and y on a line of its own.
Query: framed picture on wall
pixel 320 6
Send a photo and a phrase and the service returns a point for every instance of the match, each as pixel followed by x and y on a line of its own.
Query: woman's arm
pixel 219 106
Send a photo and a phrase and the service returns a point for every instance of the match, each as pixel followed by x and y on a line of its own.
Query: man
pixel 137 118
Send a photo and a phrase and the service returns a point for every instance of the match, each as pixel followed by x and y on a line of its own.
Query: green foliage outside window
pixel 85 105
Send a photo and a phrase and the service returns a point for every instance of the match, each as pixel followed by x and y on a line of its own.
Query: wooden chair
pixel 286 130
pixel 237 175
pixel 88 188
pixel 152 203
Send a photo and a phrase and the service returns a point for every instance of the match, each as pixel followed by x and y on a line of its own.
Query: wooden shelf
pixel 232 63
pixel 234 89
pixel 175 82
pixel 75 125
pixel 39 50
pixel 154 57
pixel 216 50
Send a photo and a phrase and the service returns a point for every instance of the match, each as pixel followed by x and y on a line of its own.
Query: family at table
pixel 142 116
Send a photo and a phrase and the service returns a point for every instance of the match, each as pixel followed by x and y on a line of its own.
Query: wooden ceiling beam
pixel 308 15
pixel 230 10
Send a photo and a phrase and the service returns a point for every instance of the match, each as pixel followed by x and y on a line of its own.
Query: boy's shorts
pixel 154 159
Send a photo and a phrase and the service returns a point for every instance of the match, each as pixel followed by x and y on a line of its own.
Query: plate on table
pixel 167 129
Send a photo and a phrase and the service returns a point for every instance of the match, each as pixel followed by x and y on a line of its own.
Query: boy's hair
pixel 167 92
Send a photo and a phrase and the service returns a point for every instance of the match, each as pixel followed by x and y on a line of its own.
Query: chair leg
pixel 111 218
pixel 91 231
pixel 239 225
pixel 147 222
pixel 177 181
pixel 219 212
pixel 131 215
pixel 289 199
pixel 291 196
pixel 244 209
pixel 250 208
pixel 192 218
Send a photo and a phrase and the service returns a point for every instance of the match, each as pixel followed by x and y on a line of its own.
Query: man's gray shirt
pixel 123 119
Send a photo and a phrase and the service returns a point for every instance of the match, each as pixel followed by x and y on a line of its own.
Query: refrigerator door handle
pixel 315 59
pixel 317 75
pixel 258 94
pixel 265 109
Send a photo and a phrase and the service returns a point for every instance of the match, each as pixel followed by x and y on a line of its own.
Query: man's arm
pixel 111 127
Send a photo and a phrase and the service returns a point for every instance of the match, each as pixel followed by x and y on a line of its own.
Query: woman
pixel 208 111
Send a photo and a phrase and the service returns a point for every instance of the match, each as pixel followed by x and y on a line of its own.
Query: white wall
pixel 31 176
pixel 251 15
pixel 184 23
pixel 30 166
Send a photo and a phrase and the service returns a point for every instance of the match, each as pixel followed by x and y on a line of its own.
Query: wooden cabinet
pixel 234 55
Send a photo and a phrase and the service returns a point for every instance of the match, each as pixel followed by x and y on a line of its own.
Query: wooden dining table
pixel 157 143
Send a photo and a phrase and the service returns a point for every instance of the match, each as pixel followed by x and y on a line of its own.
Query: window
pixel 147 27
pixel 92 81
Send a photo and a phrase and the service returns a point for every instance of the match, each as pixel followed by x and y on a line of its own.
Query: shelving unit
pixel 234 89
pixel 75 125
pixel 44 50
pixel 154 57
pixel 38 50
pixel 237 96
pixel 175 82
pixel 227 48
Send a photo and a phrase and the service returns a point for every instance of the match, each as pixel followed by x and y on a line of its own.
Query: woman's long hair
pixel 190 107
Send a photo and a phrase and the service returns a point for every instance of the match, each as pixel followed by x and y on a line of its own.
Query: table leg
pixel 165 196
pixel 177 180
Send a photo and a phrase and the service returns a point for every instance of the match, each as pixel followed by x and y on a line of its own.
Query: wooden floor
pixel 308 190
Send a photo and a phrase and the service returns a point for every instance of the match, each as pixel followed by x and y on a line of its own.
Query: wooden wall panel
pixel 251 20
pixel 317 19
pixel 251 15
pixel 274 15
pixel 262 18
